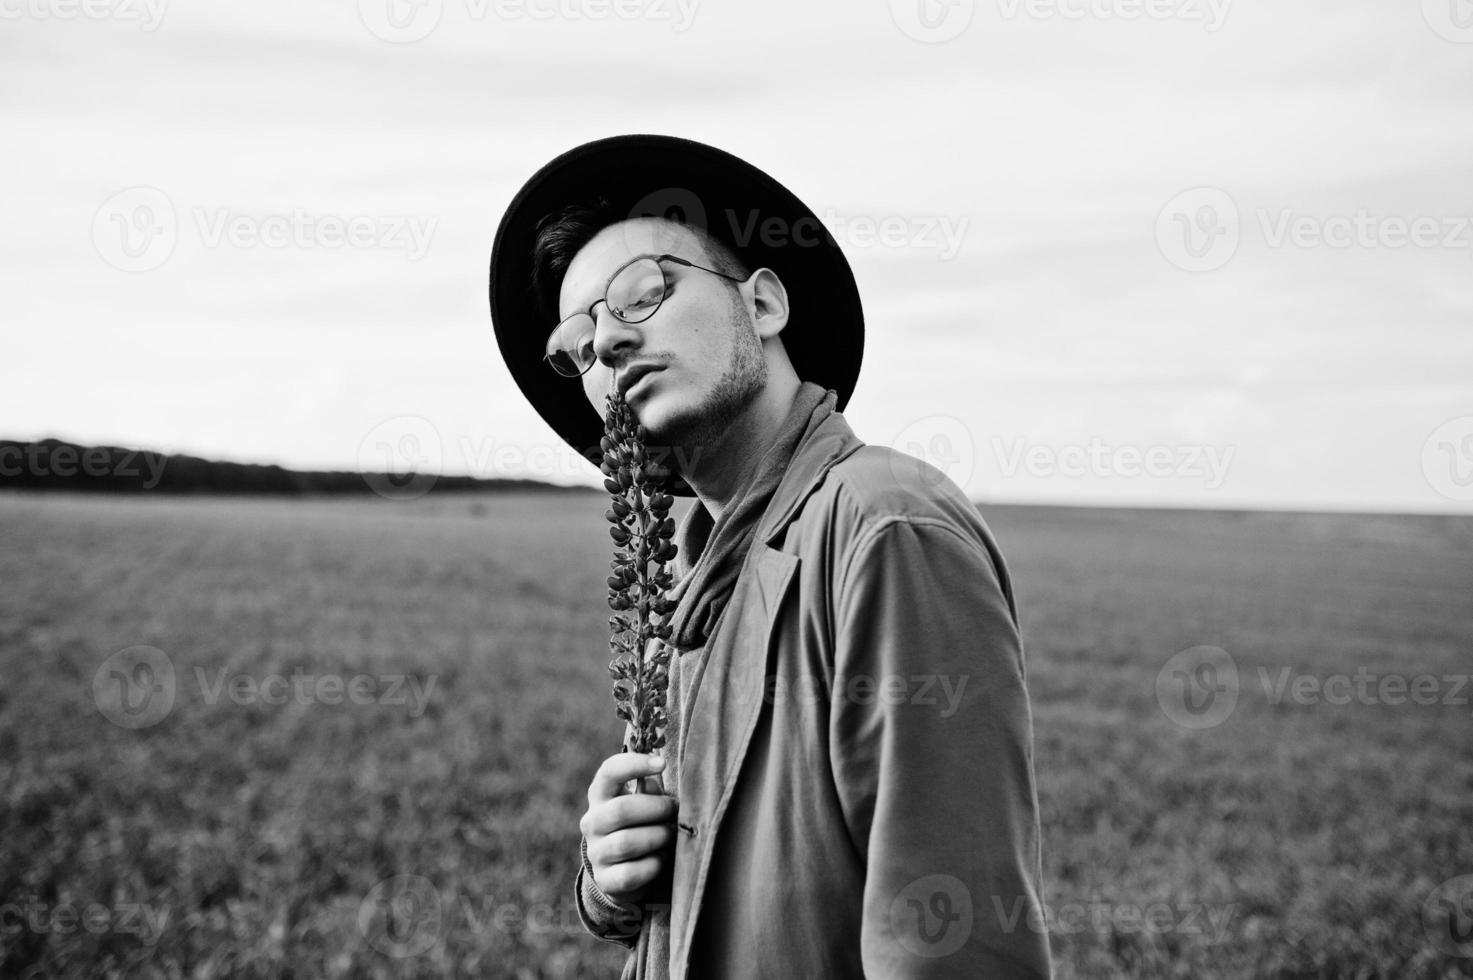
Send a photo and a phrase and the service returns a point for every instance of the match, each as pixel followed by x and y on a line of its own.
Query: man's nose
pixel 613 339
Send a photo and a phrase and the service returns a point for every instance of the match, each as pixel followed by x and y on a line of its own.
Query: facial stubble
pixel 702 427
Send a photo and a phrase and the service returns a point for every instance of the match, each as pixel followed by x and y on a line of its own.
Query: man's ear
pixel 769 303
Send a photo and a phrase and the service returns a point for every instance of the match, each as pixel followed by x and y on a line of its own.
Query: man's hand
pixel 628 834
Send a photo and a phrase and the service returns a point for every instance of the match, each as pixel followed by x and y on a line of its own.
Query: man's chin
pixel 659 421
pixel 670 425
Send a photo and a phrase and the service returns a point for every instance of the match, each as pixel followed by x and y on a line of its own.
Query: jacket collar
pixel 831 442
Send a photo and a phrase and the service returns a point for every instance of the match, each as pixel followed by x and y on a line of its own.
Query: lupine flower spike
pixel 642 530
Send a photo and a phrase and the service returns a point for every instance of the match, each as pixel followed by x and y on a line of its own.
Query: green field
pixel 237 837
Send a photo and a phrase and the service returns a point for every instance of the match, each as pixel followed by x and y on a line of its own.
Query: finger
pixel 617 770
pixel 627 876
pixel 629 844
pixel 628 811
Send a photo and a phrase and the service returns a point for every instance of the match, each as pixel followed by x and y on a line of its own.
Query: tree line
pixel 54 464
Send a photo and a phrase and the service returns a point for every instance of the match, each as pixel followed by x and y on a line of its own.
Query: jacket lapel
pixel 731 692
pixel 727 705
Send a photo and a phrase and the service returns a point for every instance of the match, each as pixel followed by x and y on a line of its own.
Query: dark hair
pixel 563 233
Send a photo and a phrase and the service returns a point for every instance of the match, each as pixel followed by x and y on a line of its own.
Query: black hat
pixel 665 176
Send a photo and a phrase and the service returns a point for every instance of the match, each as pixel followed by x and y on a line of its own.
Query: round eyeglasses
pixel 633 295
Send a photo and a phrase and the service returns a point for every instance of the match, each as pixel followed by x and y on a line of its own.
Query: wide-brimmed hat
pixel 665 176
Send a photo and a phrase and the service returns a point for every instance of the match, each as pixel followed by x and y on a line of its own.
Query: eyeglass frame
pixel 605 300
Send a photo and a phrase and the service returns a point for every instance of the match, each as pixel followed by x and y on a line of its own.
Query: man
pixel 849 757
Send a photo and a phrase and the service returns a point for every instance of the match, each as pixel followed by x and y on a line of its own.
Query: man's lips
pixel 632 376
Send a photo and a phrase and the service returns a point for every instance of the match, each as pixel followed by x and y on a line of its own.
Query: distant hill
pixel 53 464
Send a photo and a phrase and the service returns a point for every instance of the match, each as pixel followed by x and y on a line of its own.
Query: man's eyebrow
pixel 607 282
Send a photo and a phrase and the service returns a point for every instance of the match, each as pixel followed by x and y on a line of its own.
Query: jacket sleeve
pixel 931 747
pixel 605 918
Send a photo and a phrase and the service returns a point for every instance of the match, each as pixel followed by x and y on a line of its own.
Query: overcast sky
pixel 1179 252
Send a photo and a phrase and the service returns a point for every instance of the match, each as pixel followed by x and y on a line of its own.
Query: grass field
pixel 237 837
